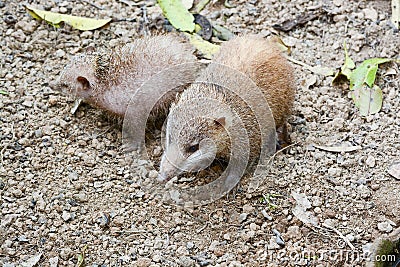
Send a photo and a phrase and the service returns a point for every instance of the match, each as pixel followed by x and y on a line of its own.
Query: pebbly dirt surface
pixel 65 187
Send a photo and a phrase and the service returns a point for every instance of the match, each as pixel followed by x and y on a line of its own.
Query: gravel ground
pixel 65 187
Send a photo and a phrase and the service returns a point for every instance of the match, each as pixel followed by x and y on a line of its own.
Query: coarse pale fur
pixel 258 59
pixel 108 80
pixel 263 62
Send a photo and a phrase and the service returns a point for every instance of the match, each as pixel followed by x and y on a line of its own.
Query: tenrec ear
pixel 90 49
pixel 220 121
pixel 83 83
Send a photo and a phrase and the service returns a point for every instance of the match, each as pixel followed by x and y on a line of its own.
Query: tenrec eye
pixel 193 148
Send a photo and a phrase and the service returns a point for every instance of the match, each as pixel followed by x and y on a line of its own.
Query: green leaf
pixel 2 92
pixel 348 63
pixel 368 100
pixel 371 75
pixel 367 97
pixel 347 67
pixel 284 48
pixel 55 19
pixel 366 72
pixel 81 257
pixel 206 48
pixel 177 15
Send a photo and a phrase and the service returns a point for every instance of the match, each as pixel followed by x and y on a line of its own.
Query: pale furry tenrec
pixel 108 80
pixel 262 62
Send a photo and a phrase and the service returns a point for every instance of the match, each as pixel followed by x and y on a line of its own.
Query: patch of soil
pixel 65 185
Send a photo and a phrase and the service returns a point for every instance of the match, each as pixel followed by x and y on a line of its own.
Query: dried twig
pixel 130 3
pixel 200 6
pixel 320 70
pixel 340 234
pixel 202 228
pixel 338 149
pixel 276 153
pixel 92 4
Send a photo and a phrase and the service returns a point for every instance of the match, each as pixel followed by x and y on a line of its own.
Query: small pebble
pixel 213 245
pixel 53 262
pixel 118 220
pixel 394 170
pixel 27 103
pixel 272 244
pixel 293 232
pixel 28 27
pixel 248 209
pixel 182 251
pixel 375 187
pixel 370 13
pixel 23 238
pixel 317 210
pixel 350 237
pixel 65 253
pixel 332 171
pixel 190 245
pixel 38 133
pixel 338 3
pixel 17 193
pixel 186 261
pixel 266 215
pixel 370 161
pixel 385 227
pixel 316 201
pixel 330 213
pixel 254 227
pixel 153 174
pixel 97 184
pixel 60 53
pixel 63 10
pixel 143 262
pixel 339 18
pixel 66 216
pixel 19 35
pixel 104 220
pixel 280 241
pixel 157 258
pixel 10 19
pixel 242 217
pixel 330 222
